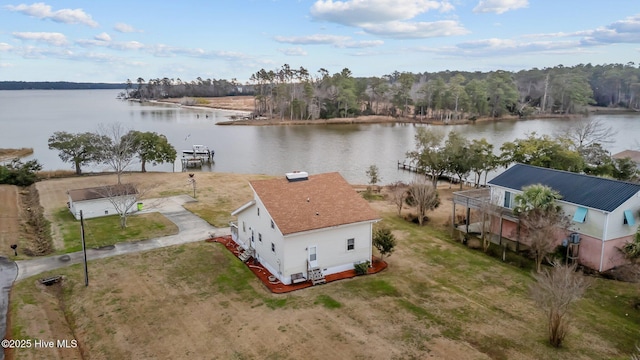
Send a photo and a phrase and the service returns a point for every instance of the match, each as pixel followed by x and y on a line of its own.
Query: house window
pixel 508 200
pixel 580 215
pixel 273 226
pixel 259 237
pixel 273 248
pixel 351 244
pixel 244 227
pixel 628 218
pixel 106 212
pixel 258 211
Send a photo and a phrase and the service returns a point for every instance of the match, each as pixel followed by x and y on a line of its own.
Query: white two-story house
pixel 301 227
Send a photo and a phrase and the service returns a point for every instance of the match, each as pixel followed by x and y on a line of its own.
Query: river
pixel 29 117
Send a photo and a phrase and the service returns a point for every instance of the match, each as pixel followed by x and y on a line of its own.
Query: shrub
pixel 362 268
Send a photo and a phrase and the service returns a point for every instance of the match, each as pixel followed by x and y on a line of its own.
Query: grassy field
pixel 104 231
pixel 437 299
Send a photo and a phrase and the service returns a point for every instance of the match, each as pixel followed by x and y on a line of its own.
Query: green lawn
pixel 106 230
pixel 434 288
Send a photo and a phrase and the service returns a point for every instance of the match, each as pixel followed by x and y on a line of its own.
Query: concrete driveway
pixel 191 228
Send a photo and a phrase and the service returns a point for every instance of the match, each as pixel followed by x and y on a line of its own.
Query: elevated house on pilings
pixel 603 212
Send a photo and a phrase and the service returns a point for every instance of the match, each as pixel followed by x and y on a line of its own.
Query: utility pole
pixel 84 250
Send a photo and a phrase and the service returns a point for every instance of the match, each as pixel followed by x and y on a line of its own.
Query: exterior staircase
pixel 316 276
pixel 245 255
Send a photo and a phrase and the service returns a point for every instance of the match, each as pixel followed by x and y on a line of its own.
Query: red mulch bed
pixel 277 287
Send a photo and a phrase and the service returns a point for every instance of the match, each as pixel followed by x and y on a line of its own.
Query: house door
pixel 313 256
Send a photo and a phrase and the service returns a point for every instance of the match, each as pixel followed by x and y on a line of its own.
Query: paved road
pixel 8 272
pixel 191 228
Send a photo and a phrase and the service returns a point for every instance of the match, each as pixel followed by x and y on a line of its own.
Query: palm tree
pixel 536 197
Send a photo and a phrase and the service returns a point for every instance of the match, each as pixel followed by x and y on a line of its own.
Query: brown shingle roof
pixel 101 192
pixel 324 200
pixel 633 154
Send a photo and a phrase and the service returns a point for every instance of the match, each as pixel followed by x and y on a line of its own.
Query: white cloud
pixel 103 37
pixel 356 12
pixel 5 47
pixel 622 31
pixel 501 47
pixel 386 17
pixel 361 44
pixel 127 45
pixel 317 39
pixel 296 51
pixel 104 40
pixel 125 28
pixel 43 11
pixel 333 40
pixel 5 65
pixel 499 6
pixel 399 29
pixel 56 39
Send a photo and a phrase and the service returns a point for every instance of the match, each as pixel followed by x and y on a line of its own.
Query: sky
pixel 112 41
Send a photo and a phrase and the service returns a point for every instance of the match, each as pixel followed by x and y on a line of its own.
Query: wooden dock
pixel 413 168
pixel 408 167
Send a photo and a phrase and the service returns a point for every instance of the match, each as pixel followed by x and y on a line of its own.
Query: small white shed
pixel 99 201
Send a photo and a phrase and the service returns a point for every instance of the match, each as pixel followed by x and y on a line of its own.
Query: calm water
pixel 28 118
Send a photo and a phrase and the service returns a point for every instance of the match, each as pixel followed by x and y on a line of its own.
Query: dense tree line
pixel 290 93
pixel 575 149
pixel 171 88
pixel 56 85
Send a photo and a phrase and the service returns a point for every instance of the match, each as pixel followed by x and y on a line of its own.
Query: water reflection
pixel 349 149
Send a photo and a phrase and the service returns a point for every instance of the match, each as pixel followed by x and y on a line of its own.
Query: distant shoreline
pixel 244 105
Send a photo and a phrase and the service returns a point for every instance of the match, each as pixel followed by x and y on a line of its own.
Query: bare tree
pixel 424 196
pixel 489 213
pixel 588 131
pixel 117 146
pixel 398 194
pixel 123 197
pixel 540 229
pixel 554 291
pixel 541 219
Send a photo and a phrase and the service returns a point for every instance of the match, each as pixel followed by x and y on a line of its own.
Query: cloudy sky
pixel 112 41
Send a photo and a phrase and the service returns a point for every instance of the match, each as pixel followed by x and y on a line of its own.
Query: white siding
pixel 250 222
pixel 332 252
pixel 617 228
pixel 594 224
pixel 94 208
pixel 291 252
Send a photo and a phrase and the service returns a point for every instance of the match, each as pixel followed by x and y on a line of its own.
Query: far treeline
pixel 288 93
pixel 56 85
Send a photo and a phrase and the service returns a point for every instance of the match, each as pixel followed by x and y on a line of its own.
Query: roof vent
pixel 297 176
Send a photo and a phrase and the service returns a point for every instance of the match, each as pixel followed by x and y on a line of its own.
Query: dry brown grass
pixel 241 103
pixel 9 154
pixel 436 300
